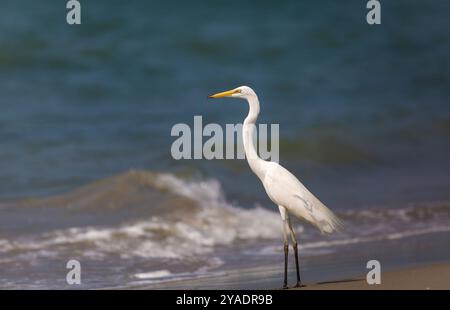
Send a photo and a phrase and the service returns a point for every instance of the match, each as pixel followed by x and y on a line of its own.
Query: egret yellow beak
pixel 227 93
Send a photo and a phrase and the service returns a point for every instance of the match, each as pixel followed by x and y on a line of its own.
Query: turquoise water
pixel 364 113
pixel 81 103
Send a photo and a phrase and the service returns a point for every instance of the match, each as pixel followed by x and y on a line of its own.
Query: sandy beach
pixel 431 277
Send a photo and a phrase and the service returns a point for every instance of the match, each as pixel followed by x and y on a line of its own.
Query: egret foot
pixel 299 284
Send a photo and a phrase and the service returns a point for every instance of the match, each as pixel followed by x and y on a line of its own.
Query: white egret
pixel 282 187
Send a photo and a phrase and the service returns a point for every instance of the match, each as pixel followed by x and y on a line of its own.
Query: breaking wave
pixel 183 219
pixel 163 217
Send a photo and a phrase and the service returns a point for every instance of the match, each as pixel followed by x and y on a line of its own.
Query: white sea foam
pixel 213 222
pixel 195 232
pixel 157 274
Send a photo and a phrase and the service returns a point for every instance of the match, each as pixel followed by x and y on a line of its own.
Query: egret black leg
pixel 286 252
pixel 295 248
pixel 299 282
pixel 284 217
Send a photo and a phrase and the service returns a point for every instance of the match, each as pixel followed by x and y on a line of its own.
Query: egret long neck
pixel 248 131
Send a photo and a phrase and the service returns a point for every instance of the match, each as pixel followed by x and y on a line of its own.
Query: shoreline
pixel 403 266
pixel 427 277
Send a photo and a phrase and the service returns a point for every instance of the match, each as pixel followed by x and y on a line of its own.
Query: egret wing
pixel 286 190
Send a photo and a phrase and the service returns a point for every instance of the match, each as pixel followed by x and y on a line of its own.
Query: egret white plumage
pixel 282 187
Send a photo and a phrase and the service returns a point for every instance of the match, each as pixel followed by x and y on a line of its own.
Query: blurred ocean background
pixel 86 114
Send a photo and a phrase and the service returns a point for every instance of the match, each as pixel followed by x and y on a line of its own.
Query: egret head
pixel 243 92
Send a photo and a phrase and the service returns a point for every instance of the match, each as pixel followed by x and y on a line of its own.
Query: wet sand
pixel 403 266
pixel 434 277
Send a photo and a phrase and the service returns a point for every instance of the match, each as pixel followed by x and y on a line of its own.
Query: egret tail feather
pixel 315 212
